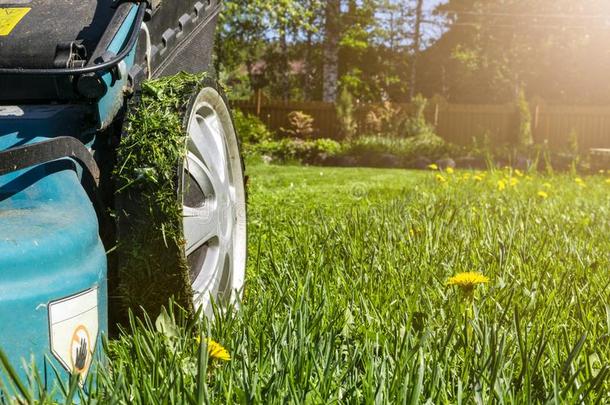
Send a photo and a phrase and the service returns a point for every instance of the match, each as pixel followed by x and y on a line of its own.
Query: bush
pixel 526 138
pixel 391 120
pixel 294 149
pixel 250 129
pixel 345 114
pixel 301 125
pixel 385 119
pixel 416 124
pixel 373 147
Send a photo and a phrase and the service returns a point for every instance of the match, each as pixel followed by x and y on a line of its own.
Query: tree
pixel 331 50
pixel 289 18
pixel 493 48
pixel 416 47
pixel 254 34
pixel 240 40
pixel 310 34
pixel 363 48
pixel 345 114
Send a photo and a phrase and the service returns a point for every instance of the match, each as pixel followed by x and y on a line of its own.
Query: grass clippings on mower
pixel 152 265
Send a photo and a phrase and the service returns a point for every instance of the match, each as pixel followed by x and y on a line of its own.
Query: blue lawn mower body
pixel 66 71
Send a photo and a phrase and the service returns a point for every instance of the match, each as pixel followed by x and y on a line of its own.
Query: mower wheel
pixel 181 202
pixel 212 193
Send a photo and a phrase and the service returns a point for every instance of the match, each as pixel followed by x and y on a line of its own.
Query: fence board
pixel 461 123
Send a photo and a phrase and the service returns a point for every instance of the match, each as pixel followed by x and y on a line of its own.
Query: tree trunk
pixel 416 47
pixel 331 51
pixel 285 66
pixel 307 80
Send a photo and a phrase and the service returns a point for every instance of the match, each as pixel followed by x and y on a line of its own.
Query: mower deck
pixel 50 250
pixel 67 69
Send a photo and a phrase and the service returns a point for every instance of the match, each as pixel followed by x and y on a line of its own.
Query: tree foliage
pixel 491 49
pixel 476 51
pixel 281 47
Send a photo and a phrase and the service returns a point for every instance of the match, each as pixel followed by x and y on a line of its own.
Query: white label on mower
pixel 73 327
pixel 11 111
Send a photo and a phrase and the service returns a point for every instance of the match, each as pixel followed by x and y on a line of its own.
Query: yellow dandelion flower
pixel 501 185
pixel 216 351
pixel 478 177
pixel 580 182
pixel 543 195
pixel 547 185
pixel 607 181
pixel 449 170
pixel 440 178
pixel 467 281
pixel 466 176
pixel 513 181
pixel 518 172
pixel 433 166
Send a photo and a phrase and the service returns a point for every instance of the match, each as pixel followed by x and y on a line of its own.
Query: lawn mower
pixel 70 75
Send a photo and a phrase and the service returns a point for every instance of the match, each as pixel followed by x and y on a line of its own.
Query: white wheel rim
pixel 214 208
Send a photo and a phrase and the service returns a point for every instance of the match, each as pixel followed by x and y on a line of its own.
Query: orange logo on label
pixel 80 350
pixel 10 17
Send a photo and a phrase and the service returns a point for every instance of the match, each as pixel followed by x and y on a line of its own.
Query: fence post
pixel 538 102
pixel 438 100
pixel 259 99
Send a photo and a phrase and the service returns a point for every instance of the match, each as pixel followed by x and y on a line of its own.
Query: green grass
pixel 347 300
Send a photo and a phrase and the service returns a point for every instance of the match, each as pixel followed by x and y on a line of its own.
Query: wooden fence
pixel 461 123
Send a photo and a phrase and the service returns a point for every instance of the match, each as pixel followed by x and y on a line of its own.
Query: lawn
pixel 347 298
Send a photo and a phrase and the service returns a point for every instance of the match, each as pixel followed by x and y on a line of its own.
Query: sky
pixel 431 32
pixel 430 4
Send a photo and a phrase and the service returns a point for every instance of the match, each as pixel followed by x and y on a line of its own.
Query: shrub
pixel 345 114
pixel 301 125
pixel 327 146
pixel 526 138
pixel 573 150
pixel 428 145
pixel 416 124
pixel 250 129
pixel 385 119
pixel 294 149
pixel 390 120
pixel 371 147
